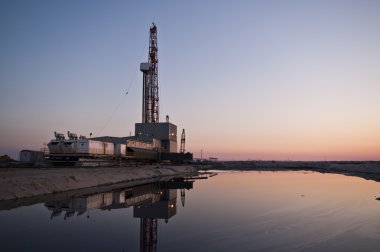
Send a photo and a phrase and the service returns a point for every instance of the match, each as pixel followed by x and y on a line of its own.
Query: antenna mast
pixel 150 80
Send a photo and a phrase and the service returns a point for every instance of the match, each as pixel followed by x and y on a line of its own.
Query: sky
pixel 247 80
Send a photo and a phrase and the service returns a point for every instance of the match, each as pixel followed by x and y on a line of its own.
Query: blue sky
pixel 246 79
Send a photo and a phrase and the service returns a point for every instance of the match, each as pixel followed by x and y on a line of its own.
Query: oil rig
pixel 153 140
pixel 151 126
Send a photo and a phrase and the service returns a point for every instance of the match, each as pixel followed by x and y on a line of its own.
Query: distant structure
pixel 31 156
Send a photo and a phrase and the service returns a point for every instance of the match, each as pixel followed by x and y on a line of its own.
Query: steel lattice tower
pixel 182 148
pixel 150 113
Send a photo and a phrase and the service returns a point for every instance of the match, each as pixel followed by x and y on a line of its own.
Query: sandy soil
pixel 27 182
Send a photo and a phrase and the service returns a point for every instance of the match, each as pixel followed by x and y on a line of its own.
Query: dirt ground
pixel 27 182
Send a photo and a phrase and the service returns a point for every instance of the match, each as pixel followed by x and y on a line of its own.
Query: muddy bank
pixel 23 182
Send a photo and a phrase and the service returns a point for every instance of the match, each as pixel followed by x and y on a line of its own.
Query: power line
pixel 124 95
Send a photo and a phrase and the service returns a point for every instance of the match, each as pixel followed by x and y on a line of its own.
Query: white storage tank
pixel 68 147
pixel 82 146
pixel 54 147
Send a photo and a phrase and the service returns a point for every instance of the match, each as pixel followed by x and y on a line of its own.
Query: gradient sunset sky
pixel 273 80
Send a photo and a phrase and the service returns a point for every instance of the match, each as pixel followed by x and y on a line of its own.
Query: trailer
pixel 141 154
pixel 92 147
pixel 120 150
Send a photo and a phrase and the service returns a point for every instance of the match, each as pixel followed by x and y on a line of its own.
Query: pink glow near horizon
pixel 273 80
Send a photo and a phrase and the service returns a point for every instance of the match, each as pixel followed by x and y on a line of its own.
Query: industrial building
pixel 150 127
pixel 153 140
pixel 31 156
pixel 165 133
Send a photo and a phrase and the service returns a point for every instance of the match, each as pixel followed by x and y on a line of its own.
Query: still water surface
pixel 233 211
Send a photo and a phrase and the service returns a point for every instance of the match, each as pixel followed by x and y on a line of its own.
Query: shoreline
pixel 16 183
pixel 364 169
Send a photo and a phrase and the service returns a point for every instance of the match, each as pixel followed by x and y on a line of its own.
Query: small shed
pixel 31 156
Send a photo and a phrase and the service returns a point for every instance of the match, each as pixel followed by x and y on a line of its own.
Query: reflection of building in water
pixel 150 212
pixel 163 208
pixel 150 202
pixel 80 204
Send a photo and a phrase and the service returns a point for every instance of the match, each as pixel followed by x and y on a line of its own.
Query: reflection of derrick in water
pixel 151 202
pixel 183 197
pixel 148 234
pixel 163 207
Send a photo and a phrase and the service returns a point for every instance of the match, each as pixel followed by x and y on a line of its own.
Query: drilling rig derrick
pixel 150 110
